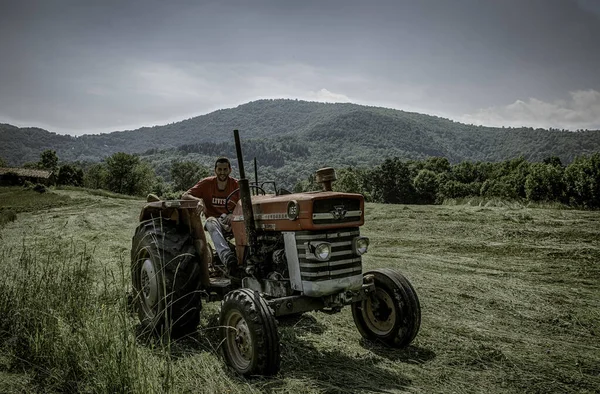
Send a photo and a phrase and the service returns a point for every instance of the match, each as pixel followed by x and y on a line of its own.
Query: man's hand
pixel 227 219
pixel 200 208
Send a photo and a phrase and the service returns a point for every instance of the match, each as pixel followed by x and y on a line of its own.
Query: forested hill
pixel 341 134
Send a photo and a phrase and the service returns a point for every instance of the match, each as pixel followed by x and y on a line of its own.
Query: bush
pixel 7 216
pixel 70 175
pixel 456 189
pixel 498 188
pixel 39 188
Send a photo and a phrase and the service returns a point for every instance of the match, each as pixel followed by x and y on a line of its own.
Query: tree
pixel 498 188
pixel 544 183
pixel 465 172
pixel 95 176
pixel 3 162
pixel 70 175
pixel 184 174
pixel 392 183
pixel 48 160
pixel 348 181
pixel 307 185
pixel 144 180
pixel 426 186
pixel 582 178
pixel 126 174
pixel 437 164
pixel 554 161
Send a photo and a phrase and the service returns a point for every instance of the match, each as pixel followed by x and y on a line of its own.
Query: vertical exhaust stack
pixel 245 196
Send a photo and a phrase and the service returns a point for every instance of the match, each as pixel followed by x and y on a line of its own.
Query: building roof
pixel 26 172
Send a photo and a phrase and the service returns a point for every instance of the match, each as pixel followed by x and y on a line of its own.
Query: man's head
pixel 222 168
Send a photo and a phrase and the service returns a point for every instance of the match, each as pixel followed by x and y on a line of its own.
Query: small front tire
pixel 250 341
pixel 392 314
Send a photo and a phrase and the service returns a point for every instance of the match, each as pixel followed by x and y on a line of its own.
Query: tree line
pixel 434 180
pixel 394 181
pixel 122 173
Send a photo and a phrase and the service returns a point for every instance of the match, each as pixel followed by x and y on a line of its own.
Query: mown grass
pixel 510 298
pixel 19 199
pixel 97 192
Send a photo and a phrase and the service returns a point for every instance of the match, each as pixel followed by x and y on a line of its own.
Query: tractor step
pixel 220 282
pixel 218 288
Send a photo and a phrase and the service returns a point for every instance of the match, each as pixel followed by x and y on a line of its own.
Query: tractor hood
pixel 305 211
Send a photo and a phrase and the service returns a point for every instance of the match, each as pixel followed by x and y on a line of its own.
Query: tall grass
pixel 74 333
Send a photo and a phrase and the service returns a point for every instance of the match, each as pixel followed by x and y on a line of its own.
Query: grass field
pixel 510 298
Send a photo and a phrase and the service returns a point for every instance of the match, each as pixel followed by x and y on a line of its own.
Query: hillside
pixel 338 134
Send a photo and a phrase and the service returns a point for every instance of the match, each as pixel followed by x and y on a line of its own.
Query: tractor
pixel 296 253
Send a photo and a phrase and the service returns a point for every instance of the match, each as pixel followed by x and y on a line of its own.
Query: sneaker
pixel 231 261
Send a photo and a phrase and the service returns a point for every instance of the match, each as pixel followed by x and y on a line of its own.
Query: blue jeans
pixel 217 234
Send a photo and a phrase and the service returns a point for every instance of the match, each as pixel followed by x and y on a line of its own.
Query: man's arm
pixel 192 194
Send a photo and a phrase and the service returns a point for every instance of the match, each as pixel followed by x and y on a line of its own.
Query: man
pixel 211 193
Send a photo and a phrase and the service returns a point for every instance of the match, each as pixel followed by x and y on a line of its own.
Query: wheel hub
pixel 379 312
pixel 149 283
pixel 239 341
pixel 243 341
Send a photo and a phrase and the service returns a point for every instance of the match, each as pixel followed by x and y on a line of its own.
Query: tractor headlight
pixel 320 250
pixel 360 245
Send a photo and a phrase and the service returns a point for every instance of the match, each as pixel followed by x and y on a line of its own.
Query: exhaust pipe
pixel 245 196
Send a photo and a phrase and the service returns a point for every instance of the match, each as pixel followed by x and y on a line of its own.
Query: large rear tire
pixel 250 340
pixel 392 314
pixel 166 278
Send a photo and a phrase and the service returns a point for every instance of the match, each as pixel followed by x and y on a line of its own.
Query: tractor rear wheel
pixel 250 340
pixel 166 278
pixel 392 314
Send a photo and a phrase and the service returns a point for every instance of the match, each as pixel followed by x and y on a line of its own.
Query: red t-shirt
pixel 214 199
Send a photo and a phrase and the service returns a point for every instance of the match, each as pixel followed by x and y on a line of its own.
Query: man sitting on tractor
pixel 211 193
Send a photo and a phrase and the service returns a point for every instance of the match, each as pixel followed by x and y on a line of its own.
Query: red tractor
pixel 296 253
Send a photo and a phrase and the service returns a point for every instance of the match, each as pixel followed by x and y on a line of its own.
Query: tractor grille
pixel 343 262
pixel 336 210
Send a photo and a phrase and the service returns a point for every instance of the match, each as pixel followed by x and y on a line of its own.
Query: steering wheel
pixel 227 200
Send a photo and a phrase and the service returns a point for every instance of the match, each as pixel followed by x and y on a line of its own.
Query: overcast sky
pixel 86 66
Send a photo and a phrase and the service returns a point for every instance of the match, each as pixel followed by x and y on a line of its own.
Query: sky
pixel 81 67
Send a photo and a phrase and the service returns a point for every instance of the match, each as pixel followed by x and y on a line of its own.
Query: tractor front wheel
pixel 250 341
pixel 392 313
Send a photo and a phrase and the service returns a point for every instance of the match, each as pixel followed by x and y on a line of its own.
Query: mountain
pixel 334 134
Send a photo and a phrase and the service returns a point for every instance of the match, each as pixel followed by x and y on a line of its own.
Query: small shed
pixel 11 176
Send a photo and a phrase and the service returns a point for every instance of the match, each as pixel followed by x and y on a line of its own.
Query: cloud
pixel 132 93
pixel 580 111
pixel 325 95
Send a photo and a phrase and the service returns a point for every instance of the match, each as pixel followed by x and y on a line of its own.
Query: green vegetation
pixel 122 173
pixel 48 160
pixel 69 174
pixel 510 300
pixel 434 180
pixel 185 174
